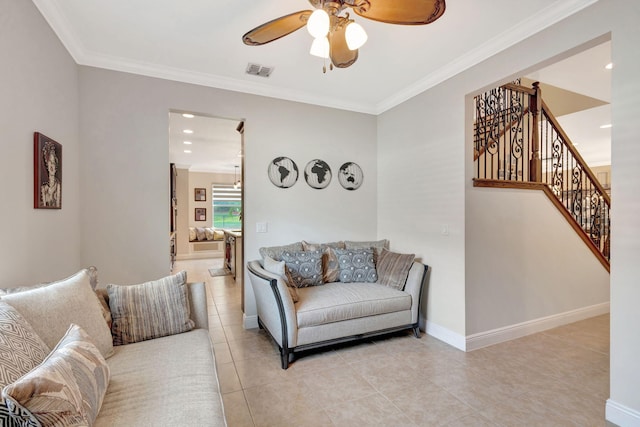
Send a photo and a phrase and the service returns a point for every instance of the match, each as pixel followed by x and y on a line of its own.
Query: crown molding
pixel 534 24
pixel 523 30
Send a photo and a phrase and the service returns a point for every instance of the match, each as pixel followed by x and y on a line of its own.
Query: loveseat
pixel 80 354
pixel 313 295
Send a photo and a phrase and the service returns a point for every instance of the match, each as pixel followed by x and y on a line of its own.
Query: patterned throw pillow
pixel 330 267
pixel 200 234
pixel 149 310
pixel 21 350
pixel 66 389
pixel 393 268
pixel 279 268
pixel 305 268
pixel 356 265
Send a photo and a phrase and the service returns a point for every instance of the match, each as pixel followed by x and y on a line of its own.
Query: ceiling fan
pixel 336 36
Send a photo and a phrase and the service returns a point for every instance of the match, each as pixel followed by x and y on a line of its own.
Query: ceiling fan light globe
pixel 318 24
pixel 320 47
pixel 356 36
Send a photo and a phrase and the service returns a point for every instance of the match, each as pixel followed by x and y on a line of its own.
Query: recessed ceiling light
pixel 187 151
pixel 187 142
pixel 187 131
pixel 188 116
pixel 605 126
pixel 609 66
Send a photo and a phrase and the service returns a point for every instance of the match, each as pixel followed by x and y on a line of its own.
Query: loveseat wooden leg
pixel 284 358
pixel 416 331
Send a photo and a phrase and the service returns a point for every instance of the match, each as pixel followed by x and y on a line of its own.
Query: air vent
pixel 259 70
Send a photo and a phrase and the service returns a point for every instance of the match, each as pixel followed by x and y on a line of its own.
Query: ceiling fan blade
pixel 277 28
pixel 403 12
pixel 339 52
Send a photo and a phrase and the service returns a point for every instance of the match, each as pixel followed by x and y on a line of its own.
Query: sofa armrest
pixel 274 305
pixel 413 286
pixel 198 304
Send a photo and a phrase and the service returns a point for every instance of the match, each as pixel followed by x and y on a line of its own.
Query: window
pixel 227 206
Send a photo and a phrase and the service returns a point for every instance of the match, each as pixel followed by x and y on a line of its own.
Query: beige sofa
pixel 164 381
pixel 333 312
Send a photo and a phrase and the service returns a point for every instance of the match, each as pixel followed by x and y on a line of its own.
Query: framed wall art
pixel 350 176
pixel 47 172
pixel 200 194
pixel 201 214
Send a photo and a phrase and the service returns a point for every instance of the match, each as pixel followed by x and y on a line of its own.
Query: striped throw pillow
pixel 393 268
pixel 66 389
pixel 149 310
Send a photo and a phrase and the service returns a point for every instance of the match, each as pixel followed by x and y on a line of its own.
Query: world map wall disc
pixel 317 173
pixel 283 172
pixel 350 176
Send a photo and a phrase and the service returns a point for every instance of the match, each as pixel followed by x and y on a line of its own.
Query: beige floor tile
pixel 217 335
pixel 238 332
pixel 428 406
pixel 254 346
pixel 222 353
pixel 338 384
pixel 228 378
pixel 285 403
pixel 260 371
pixel 473 420
pixel 236 410
pixel 231 318
pixel 371 411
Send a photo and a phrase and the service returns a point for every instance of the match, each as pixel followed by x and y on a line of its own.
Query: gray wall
pixel 39 92
pixel 124 128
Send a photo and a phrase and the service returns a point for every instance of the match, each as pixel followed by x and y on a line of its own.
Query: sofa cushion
pixel 330 267
pixel 52 308
pixel 335 302
pixel 275 252
pixel 66 389
pixel 393 268
pixel 356 265
pixel 304 267
pixel 280 268
pixel 377 245
pixel 169 381
pixel 149 310
pixel 21 350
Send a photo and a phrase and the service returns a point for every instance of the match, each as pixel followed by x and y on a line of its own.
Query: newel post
pixel 535 106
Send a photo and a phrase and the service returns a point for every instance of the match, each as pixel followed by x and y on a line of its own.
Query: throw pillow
pixel 192 234
pixel 200 234
pixel 330 267
pixel 208 232
pixel 149 310
pixel 393 268
pixel 103 297
pixel 305 268
pixel 356 265
pixel 52 308
pixel 279 268
pixel 377 245
pixel 21 350
pixel 66 389
pixel 275 252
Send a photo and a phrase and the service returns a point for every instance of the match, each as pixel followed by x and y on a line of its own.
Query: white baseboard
pixel 250 322
pixel 446 335
pixel 621 415
pixel 495 336
pixel 201 255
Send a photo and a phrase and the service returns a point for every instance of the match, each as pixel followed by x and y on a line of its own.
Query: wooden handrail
pixel 549 115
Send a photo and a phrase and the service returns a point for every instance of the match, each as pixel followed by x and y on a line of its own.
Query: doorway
pixel 206 154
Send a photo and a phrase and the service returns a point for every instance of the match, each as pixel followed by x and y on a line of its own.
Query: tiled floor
pixel 558 377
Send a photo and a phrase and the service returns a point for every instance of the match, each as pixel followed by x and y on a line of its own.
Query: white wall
pixel 524 261
pixel 39 92
pixel 124 132
pixel 625 232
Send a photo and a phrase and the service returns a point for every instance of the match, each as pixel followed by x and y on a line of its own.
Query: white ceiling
pixel 199 41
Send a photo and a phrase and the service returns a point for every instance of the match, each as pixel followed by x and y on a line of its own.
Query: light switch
pixel 261 227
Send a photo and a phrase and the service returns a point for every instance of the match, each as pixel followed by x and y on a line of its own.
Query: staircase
pixel 518 143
